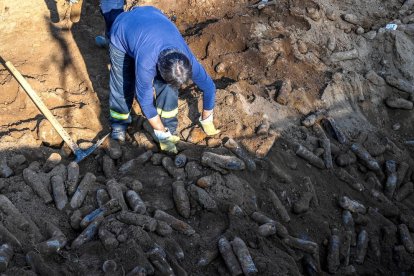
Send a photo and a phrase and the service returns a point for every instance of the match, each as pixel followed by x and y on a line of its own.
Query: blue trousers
pixel 122 92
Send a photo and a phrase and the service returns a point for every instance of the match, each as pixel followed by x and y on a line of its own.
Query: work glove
pixel 167 141
pixel 208 125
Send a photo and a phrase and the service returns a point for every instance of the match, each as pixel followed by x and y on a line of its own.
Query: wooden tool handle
pixel 42 107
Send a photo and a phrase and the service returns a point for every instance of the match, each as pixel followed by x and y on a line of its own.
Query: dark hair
pixel 174 67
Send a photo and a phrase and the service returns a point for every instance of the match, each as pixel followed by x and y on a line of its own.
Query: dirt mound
pixel 312 172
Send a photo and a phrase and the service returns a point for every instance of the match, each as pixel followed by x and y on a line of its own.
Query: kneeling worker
pixel 148 53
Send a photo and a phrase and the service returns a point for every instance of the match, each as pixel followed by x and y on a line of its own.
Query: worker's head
pixel 174 67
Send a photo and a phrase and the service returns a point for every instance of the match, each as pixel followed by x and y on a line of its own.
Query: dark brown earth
pixel 252 55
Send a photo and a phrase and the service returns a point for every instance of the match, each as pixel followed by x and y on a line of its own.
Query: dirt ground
pixel 317 94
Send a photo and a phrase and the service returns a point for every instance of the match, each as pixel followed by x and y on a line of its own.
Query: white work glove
pixel 167 141
pixel 208 125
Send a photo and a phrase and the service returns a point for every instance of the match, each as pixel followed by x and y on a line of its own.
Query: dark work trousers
pixel 122 91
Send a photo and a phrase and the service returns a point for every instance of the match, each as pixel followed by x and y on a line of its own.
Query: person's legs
pixel 122 89
pixel 110 9
pixel 167 104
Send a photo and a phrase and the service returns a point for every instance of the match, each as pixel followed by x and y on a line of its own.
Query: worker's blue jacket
pixel 142 34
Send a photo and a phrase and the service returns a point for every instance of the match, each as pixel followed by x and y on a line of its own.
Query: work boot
pixel 101 41
pixel 118 133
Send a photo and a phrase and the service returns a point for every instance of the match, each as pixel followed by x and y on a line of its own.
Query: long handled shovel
pixel 79 153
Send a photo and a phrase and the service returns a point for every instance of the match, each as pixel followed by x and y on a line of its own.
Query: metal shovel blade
pixel 82 154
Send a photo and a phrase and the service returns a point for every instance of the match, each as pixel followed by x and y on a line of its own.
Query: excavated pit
pixel 317 94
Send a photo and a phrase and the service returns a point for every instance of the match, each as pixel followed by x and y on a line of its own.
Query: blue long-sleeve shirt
pixel 143 33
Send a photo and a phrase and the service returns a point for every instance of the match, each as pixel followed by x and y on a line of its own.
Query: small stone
pixel 48 135
pixel 360 30
pixel 221 68
pixel 5 170
pixel 17 160
pixel 229 99
pixel 396 126
pixel 109 266
pixel 331 14
pixel 302 47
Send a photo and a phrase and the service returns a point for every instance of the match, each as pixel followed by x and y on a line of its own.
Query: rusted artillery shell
pixel 391 184
pixel 173 247
pixel 156 159
pixel 235 148
pixel 346 159
pixel 225 162
pixel 362 247
pixel 115 192
pixel 160 263
pixel 202 197
pixel 267 229
pixel 108 239
pixel 260 218
pixel 38 264
pixel 102 197
pixel 346 246
pixel 177 173
pixel 77 216
pixel 131 218
pixel 6 254
pixel 108 208
pixel 175 223
pixel 163 228
pixel 73 177
pixel 325 144
pixel 406 238
pixel 59 193
pixel 304 245
pixel 181 199
pixel 8 208
pixel 52 161
pixel 307 182
pixel 333 252
pixel 131 165
pixel 9 238
pixel 279 207
pixel 401 173
pixel 208 256
pixel 374 244
pixel 406 190
pixel 263 128
pixel 373 181
pixel 344 176
pixel 53 245
pixel 280 174
pixel 180 160
pixel 229 257
pixel 33 180
pixel 309 156
pixel 331 127
pixel 302 205
pixel 108 166
pixel 88 234
pixel 243 255
pixel 284 92
pixel 364 156
pixel 135 202
pixel 346 55
pixel 399 103
pixel 82 190
pixel 313 118
pixel 352 205
pixel 109 266
pixel 349 224
pixel 210 180
pixel 138 271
